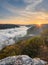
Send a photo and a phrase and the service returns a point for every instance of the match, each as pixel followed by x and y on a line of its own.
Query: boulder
pixel 22 60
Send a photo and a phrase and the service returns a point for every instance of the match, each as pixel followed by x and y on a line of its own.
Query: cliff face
pixel 22 60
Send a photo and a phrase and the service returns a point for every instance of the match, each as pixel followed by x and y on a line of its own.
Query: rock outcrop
pixel 22 60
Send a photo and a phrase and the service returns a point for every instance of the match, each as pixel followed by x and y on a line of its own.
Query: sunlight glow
pixel 39 24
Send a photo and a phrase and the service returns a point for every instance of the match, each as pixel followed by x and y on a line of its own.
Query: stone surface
pixel 22 60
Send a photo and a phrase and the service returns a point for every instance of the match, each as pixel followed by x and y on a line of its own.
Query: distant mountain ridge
pixel 35 29
pixel 6 26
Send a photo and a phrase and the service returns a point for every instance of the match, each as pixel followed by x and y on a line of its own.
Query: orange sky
pixel 23 22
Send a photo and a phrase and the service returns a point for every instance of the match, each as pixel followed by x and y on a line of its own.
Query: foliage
pixel 30 47
pixel 44 35
pixel 33 47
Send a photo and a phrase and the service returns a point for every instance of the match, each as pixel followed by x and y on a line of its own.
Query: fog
pixel 10 36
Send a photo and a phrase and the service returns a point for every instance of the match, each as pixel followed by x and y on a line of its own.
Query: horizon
pixel 23 24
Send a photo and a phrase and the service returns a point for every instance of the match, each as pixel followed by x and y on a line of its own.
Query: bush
pixel 33 47
pixel 44 36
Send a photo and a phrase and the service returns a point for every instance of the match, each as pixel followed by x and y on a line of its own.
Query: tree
pixel 44 35
pixel 33 47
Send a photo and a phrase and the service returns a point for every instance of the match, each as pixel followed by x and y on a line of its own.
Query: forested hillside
pixel 7 26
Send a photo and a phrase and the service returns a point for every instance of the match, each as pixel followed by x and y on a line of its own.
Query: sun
pixel 39 24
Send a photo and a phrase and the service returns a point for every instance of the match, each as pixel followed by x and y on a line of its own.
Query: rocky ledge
pixel 22 60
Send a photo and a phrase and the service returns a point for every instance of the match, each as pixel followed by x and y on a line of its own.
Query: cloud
pixel 29 7
pixel 32 4
pixel 31 16
pixel 27 13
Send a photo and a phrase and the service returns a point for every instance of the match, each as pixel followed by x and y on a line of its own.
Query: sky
pixel 23 11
